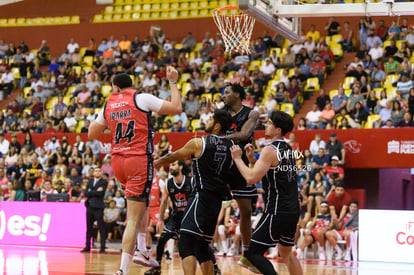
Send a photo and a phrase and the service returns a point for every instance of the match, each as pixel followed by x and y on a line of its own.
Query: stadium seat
pixel 184 77
pixel 21 22
pixel 287 108
pixel 185 88
pixel 337 50
pixel 195 124
pixel 50 104
pixel 371 120
pixel 333 93
pixel 16 72
pixel 337 38
pixel 312 85
pixel 386 43
pixel 77 69
pixel 208 96
pixel 26 91
pixel 253 64
pixel 391 92
pixel 399 43
pixel 79 126
pixel 348 81
pixel 106 90
pixel 389 80
pixel 377 92
pixel 98 18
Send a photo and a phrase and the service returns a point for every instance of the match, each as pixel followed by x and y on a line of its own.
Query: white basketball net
pixel 236 31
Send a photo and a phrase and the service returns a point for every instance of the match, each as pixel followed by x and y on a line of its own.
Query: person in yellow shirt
pixel 313 34
pixel 124 44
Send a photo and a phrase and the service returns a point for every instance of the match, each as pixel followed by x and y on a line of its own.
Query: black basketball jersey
pixel 211 167
pixel 179 193
pixel 280 184
pixel 238 121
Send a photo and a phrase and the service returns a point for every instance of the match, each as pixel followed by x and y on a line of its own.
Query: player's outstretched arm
pixel 247 128
pixel 254 174
pixel 95 129
pixel 191 148
pixel 174 106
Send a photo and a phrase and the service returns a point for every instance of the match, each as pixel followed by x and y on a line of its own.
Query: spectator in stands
pixel 33 169
pixel 72 46
pixel 382 30
pixel 10 120
pixel 110 217
pixel 318 68
pixel 320 161
pixel 188 43
pixel 316 144
pixel 231 226
pixel 322 99
pixel 11 157
pixel 392 66
pixel 313 33
pixel 327 115
pixel 385 113
pixel 333 173
pixel 335 148
pixel 4 185
pixel 191 106
pixel 294 93
pixel 377 77
pixel 95 146
pixel 393 31
pixel 289 58
pixel 18 171
pixel 343 232
pixel 339 101
pixel 43 53
pixel 332 27
pixel 404 86
pixel 112 42
pixel 355 97
pixel 7 81
pixel 397 113
pixel 268 69
pixel 312 117
pixel 3 48
pixel 70 121
pixel 317 192
pixel 348 36
pixel 338 201
pixel 358 115
pixel 315 232
pixel 407 121
pixel 376 51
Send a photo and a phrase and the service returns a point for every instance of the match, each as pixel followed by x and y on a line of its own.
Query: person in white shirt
pixel 167 45
pixel 4 145
pixel 92 115
pixel 205 115
pixel 268 68
pixel 270 104
pixel 404 86
pixel 72 46
pixel 309 45
pixel 296 48
pixel 7 80
pixel 36 82
pixel 70 121
pixel 376 52
pixel 316 144
pixel 51 146
pixel 112 42
pixel 96 147
pixel 312 117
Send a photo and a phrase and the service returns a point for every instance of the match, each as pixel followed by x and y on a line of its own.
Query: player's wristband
pixel 172 82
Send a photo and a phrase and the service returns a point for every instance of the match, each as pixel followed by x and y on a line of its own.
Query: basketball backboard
pixel 265 11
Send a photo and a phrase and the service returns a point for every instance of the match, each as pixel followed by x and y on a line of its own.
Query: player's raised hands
pixel 249 148
pixel 172 74
pixel 236 151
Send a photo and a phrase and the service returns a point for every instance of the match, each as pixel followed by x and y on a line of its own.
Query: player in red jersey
pixel 127 113
pixel 154 211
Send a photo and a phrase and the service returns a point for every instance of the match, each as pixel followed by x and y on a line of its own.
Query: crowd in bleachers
pixel 66 96
pixel 377 90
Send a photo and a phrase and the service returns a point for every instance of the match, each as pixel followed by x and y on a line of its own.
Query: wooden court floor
pixel 15 260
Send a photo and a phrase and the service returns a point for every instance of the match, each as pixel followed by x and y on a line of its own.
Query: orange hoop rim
pixel 226 8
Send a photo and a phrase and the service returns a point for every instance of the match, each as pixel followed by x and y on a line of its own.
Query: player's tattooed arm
pixel 247 129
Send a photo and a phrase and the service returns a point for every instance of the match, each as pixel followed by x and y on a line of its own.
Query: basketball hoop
pixel 236 29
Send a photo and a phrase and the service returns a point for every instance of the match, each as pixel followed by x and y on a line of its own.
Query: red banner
pixel 365 148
